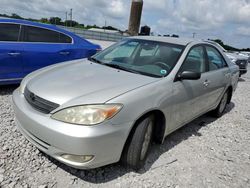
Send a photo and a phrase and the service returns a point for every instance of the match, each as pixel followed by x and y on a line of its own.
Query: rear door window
pixel 215 59
pixel 36 34
pixel 9 32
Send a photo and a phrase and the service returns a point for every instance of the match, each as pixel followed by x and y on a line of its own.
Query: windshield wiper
pixel 121 68
pixel 95 60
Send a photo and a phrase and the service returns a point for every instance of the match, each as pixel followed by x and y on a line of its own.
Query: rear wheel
pixel 218 112
pixel 136 150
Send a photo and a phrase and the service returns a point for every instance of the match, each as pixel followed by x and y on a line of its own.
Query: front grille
pixel 39 103
pixel 241 63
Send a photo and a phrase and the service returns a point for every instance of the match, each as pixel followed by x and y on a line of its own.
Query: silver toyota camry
pixel 108 108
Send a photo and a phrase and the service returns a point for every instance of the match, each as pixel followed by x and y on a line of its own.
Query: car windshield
pixel 151 58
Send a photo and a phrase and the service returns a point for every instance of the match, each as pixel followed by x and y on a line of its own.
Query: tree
pixel 44 20
pixel 176 36
pixel 4 15
pixel 91 26
pixel 81 25
pixel 227 47
pixel 70 23
pixel 16 16
pixel 110 28
pixel 55 20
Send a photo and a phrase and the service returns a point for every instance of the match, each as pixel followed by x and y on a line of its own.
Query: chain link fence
pixel 96 35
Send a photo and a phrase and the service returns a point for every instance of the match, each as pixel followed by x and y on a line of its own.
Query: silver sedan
pixel 111 107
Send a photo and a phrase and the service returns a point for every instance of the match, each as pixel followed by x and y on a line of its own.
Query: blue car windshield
pixel 151 58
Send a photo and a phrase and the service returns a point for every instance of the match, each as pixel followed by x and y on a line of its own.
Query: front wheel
pixel 136 150
pixel 218 112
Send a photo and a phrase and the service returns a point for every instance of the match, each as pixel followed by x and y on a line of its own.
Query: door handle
pixel 14 53
pixel 206 83
pixel 64 53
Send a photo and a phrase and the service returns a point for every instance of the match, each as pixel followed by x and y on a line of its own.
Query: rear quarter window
pixel 215 59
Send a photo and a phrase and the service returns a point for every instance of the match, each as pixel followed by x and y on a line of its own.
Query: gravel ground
pixel 207 152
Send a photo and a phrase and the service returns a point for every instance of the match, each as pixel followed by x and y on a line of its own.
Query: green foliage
pixel 227 47
pixel 91 26
pixel 55 20
pixel 13 15
pixel 176 36
pixel 70 23
pixel 44 20
pixel 110 28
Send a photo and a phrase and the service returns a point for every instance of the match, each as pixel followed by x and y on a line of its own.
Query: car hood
pixel 84 82
pixel 236 56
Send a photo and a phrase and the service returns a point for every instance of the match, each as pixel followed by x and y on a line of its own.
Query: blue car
pixel 27 46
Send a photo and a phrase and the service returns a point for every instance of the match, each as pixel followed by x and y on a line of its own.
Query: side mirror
pixel 189 75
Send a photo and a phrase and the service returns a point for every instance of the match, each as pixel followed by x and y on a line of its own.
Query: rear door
pixel 10 53
pixel 217 76
pixel 43 47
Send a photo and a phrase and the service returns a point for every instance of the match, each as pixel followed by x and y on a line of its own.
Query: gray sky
pixel 228 20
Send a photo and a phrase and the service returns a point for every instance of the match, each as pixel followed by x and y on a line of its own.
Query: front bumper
pixel 104 141
pixel 242 66
pixel 243 71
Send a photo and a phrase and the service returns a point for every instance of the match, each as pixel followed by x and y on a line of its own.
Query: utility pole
pixel 194 35
pixel 66 18
pixel 105 26
pixel 71 15
pixel 135 17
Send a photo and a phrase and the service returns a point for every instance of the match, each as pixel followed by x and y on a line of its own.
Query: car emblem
pixel 32 97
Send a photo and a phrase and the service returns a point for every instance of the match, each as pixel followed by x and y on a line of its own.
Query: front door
pixel 217 75
pixel 191 95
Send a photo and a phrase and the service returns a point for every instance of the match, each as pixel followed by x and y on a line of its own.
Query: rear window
pixel 9 32
pixel 36 34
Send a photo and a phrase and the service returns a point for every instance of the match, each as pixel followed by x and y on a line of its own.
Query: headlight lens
pixel 87 115
pixel 233 60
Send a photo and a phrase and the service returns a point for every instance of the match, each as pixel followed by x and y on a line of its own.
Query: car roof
pixel 174 40
pixel 26 22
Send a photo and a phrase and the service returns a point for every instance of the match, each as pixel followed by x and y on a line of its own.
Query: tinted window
pixel 215 59
pixel 9 32
pixel 64 38
pixel 36 34
pixel 195 61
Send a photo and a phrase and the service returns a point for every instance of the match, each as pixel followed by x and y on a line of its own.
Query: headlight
pixel 233 60
pixel 87 115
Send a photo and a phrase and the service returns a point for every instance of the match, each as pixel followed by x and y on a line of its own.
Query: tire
pixel 136 150
pixel 218 112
